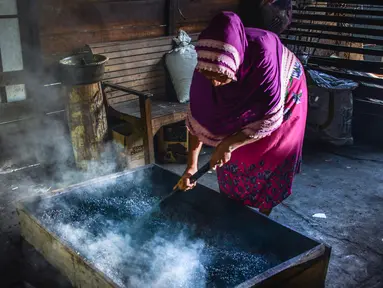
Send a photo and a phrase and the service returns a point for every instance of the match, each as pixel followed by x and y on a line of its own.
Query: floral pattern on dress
pixel 297 70
pixel 297 97
pixel 259 185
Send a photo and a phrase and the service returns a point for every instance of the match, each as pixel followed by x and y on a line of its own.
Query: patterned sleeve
pixel 266 126
pixel 201 132
pixel 274 119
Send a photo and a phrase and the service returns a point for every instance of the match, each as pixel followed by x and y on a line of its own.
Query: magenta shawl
pixel 253 103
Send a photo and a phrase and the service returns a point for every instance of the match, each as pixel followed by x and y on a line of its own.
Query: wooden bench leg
pixel 146 117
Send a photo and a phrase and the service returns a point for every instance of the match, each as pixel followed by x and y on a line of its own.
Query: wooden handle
pixel 202 171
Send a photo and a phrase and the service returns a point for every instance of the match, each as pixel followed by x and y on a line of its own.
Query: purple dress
pixel 267 101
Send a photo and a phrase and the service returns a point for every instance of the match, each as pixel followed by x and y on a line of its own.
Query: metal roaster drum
pixel 82 68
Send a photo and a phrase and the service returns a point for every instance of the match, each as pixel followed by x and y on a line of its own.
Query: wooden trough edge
pixel 79 272
pixel 308 269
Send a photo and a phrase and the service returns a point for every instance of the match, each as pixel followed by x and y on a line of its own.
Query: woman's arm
pixel 237 140
pixel 222 153
pixel 194 149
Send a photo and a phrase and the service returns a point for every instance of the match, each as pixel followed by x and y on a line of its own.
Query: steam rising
pixel 173 248
pixel 158 263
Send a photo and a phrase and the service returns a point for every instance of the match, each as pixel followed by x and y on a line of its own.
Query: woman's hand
pixel 184 183
pixel 221 155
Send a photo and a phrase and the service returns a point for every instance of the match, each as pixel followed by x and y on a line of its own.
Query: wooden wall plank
pixel 124 73
pixel 144 81
pixel 203 11
pixel 140 51
pixel 63 44
pixel 142 42
pixel 66 25
pixel 150 56
pixel 127 66
pixel 136 77
pixel 69 24
pixel 193 27
pixel 65 16
pixel 130 46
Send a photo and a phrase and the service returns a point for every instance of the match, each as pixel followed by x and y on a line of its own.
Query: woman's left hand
pixel 221 155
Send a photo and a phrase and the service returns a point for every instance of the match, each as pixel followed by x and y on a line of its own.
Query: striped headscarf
pixel 221 50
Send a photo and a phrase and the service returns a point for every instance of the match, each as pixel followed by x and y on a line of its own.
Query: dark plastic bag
pixel 330 108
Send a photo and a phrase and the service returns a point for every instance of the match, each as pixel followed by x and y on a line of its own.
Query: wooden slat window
pixel 351 30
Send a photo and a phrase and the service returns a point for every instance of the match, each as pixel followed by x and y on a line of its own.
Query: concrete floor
pixel 345 184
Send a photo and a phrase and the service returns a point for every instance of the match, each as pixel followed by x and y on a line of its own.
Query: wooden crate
pixel 173 143
pixel 129 146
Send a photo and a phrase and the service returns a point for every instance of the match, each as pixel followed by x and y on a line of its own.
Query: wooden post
pixel 87 122
pixel 171 17
pixel 146 118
